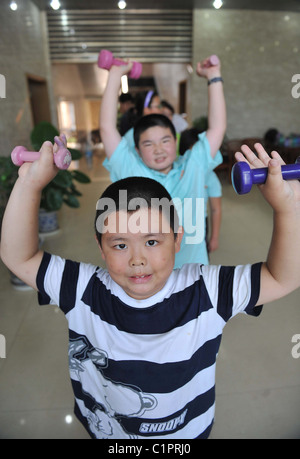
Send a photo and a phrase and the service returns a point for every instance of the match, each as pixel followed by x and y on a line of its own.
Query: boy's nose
pixel 137 259
pixel 137 262
pixel 157 148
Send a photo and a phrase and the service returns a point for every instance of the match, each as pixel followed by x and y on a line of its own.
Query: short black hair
pixel 166 104
pixel 148 121
pixel 143 192
pixel 188 138
pixel 126 97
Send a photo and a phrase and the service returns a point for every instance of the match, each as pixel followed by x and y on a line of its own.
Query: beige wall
pixel 260 52
pixel 23 50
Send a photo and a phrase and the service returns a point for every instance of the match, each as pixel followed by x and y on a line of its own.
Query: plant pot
pixel 48 222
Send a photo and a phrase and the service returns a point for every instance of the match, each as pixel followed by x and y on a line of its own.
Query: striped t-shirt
pixel 146 368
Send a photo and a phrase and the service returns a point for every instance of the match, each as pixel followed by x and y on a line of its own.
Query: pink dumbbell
pixel 212 60
pixel 106 60
pixel 20 155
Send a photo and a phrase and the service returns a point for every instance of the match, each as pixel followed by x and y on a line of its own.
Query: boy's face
pixel 157 147
pixel 139 257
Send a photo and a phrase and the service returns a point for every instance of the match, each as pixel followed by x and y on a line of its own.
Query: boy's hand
pixel 280 272
pixel 121 69
pixel 39 173
pixel 282 195
pixel 206 71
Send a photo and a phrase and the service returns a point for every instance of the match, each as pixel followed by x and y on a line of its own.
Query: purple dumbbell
pixel 20 155
pixel 106 60
pixel 243 177
pixel 212 60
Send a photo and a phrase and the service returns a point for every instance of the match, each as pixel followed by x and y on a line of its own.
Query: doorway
pixel 182 96
pixel 39 99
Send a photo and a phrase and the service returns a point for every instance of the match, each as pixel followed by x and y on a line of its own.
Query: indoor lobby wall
pixel 23 51
pixel 260 53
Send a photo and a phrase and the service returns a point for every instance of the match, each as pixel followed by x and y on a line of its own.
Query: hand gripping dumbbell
pixel 106 60
pixel 62 157
pixel 243 177
pixel 212 60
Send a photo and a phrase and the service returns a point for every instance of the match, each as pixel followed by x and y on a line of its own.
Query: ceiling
pixel 271 5
pixel 146 31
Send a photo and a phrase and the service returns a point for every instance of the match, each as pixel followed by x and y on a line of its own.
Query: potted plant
pixel 62 189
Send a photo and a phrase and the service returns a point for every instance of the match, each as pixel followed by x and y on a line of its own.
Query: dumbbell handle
pixel 243 177
pixel 62 157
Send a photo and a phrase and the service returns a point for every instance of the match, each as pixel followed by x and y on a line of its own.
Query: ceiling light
pixel 122 4
pixel 13 6
pixel 217 4
pixel 55 4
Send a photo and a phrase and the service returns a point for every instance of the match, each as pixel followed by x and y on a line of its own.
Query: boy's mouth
pixel 160 159
pixel 141 279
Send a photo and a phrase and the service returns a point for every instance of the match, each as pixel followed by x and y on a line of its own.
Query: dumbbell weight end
pixel 214 60
pixel 243 177
pixel 211 61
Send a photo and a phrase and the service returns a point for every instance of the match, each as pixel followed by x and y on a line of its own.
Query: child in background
pixel 155 155
pixel 126 114
pixel 179 122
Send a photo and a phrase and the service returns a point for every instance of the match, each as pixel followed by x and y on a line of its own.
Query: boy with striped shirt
pixel 143 338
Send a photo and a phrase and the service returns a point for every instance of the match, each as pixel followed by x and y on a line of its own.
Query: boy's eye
pixel 120 246
pixel 151 243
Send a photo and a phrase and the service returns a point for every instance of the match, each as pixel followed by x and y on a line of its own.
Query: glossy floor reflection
pixel 258 379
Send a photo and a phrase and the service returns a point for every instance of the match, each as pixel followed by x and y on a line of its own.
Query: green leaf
pixel 41 132
pixel 63 179
pixel 71 201
pixel 53 199
pixel 74 191
pixel 76 154
pixel 80 177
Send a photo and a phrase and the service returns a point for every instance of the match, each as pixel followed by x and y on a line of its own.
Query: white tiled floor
pixel 258 380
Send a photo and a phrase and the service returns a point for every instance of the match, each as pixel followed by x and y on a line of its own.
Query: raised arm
pixel 216 105
pixel 110 135
pixel 19 238
pixel 280 273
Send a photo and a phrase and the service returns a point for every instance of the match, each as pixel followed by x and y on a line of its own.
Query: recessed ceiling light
pixel 13 6
pixel 55 4
pixel 122 4
pixel 217 4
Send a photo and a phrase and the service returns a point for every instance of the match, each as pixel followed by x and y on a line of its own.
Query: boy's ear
pixel 100 248
pixel 178 239
pixel 138 151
